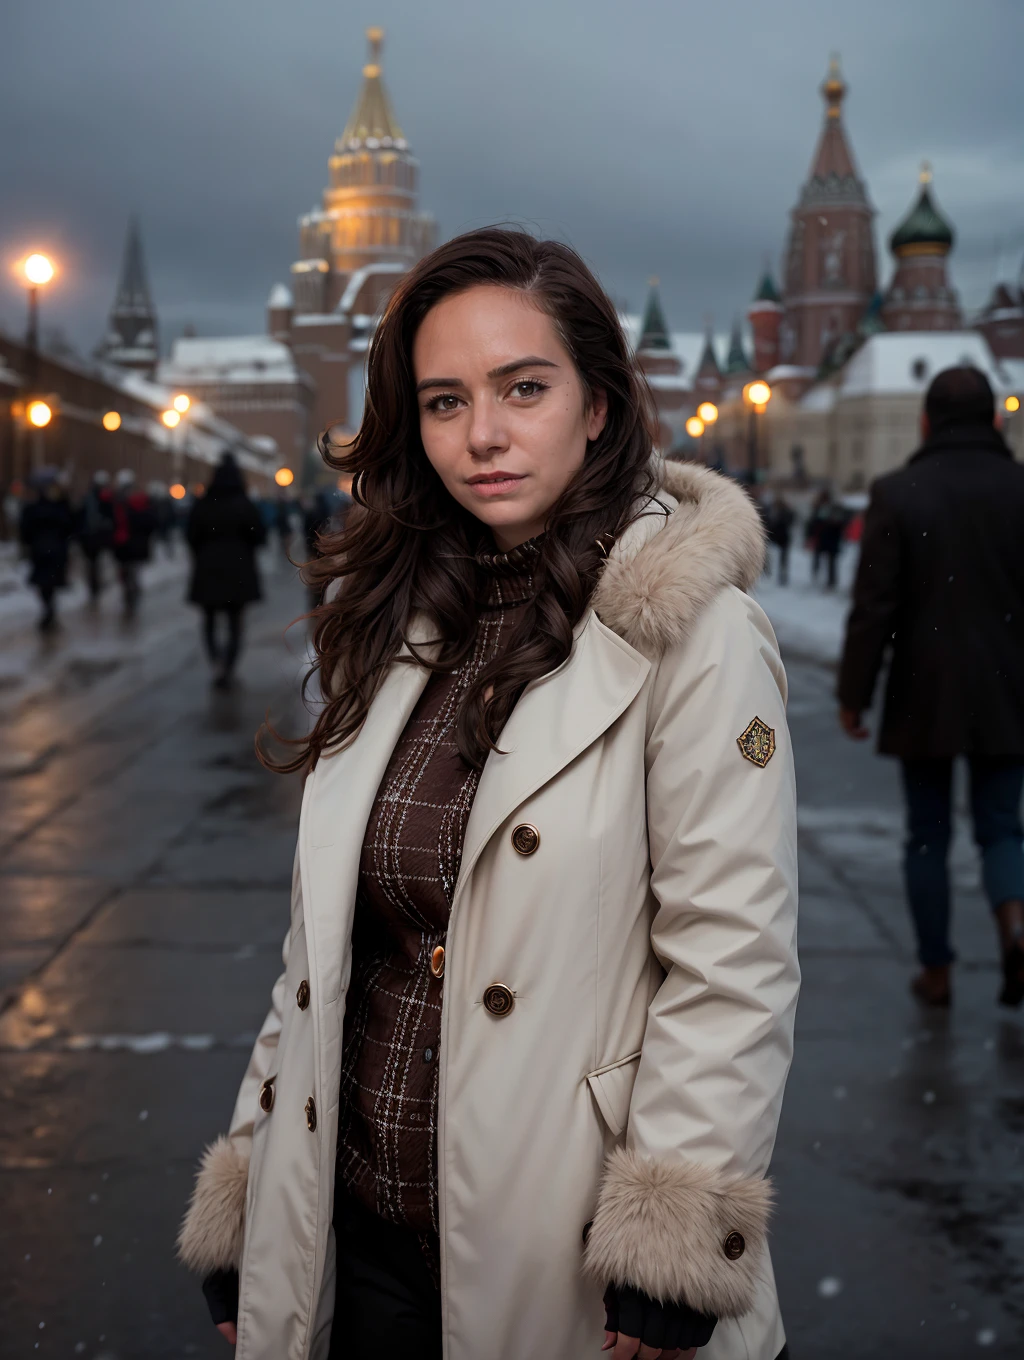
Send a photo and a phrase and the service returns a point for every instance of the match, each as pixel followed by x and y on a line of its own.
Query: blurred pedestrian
pixel 323 513
pixel 224 530
pixel 780 534
pixel 134 523
pixel 46 528
pixel 283 511
pixel 940 590
pixel 825 530
pixel 95 530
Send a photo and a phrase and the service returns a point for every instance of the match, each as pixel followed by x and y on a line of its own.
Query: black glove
pixel 221 1291
pixel 670 1326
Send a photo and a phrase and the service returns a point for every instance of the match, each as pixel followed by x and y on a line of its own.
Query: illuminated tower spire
pixel 131 337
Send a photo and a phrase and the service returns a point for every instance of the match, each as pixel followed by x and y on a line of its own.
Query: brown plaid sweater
pixel 387 1129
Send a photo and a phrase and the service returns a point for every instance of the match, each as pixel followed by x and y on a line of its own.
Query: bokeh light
pixel 111 420
pixel 1012 404
pixel 181 403
pixel 695 427
pixel 708 412
pixel 171 418
pixel 177 491
pixel 39 414
pixel 38 269
pixel 284 476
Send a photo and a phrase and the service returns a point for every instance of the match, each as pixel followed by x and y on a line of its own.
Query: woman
pixel 540 978
pixel 224 531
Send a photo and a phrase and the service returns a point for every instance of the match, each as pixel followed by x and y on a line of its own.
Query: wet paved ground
pixel 144 862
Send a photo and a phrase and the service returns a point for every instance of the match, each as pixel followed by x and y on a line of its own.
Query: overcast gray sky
pixel 663 137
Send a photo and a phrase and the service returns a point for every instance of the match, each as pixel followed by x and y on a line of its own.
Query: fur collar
pixel 665 569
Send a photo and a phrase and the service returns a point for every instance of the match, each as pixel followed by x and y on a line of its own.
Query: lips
pixel 495 483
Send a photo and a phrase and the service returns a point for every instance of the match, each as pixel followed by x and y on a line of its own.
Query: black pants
pixel 386 1302
pixel 223 658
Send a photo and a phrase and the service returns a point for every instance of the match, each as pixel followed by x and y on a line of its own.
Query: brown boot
pixel 1010 921
pixel 932 986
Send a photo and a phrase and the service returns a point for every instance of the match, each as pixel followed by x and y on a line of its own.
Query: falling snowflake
pixel 840 1093
pixel 143 1116
pixel 986 1337
pixel 97 1240
pixel 929 1097
pixel 829 1287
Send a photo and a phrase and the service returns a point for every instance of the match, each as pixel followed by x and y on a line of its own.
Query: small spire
pixel 833 87
pixel 375 38
pixel 925 176
pixel 653 330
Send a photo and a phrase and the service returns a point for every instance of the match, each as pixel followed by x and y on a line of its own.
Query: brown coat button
pixel 734 1246
pixel 437 962
pixel 311 1115
pixel 267 1095
pixel 302 995
pixel 499 999
pixel 525 839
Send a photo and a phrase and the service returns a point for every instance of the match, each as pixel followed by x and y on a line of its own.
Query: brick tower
pixel 920 297
pixel 830 275
pixel 369 220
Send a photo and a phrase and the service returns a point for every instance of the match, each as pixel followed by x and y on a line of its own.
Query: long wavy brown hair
pixel 409 549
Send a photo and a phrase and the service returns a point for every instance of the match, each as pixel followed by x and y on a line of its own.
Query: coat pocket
pixel 612 1089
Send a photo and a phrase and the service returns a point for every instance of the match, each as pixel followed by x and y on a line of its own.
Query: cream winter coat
pixel 649 942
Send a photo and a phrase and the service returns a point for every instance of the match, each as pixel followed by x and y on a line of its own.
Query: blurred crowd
pixel 824 523
pixel 118 525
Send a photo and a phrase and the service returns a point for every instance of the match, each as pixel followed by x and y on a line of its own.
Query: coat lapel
pixel 338 810
pixel 556 719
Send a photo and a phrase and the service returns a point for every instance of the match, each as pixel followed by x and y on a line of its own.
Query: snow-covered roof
pixel 904 362
pixel 280 296
pixel 821 397
pixel 348 298
pixel 229 358
pixel 1014 371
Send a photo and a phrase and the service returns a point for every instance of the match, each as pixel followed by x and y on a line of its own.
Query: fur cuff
pixel 212 1231
pixel 680 1231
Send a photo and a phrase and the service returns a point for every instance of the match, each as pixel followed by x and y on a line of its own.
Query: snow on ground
pixel 808 619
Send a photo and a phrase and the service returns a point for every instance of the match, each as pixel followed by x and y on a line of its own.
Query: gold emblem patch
pixel 757 744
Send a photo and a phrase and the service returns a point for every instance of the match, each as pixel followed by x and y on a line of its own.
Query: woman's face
pixel 503 413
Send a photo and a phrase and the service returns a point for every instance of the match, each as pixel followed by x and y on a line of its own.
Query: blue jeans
pixel 996 788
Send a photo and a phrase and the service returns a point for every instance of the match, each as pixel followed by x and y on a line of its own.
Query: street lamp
pixel 181 403
pixel 284 476
pixel 39 414
pixel 37 270
pixel 111 420
pixel 757 395
pixel 1011 405
pixel 708 412
pixel 171 418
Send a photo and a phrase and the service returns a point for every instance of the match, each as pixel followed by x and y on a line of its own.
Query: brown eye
pixel 527 388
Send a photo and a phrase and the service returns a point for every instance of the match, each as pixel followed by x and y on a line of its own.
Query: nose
pixel 487 435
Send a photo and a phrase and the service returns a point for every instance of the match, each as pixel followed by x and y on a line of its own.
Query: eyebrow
pixel 531 361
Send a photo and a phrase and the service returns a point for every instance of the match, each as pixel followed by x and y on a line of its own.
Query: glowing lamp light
pixel 758 393
pixel 177 492
pixel 39 414
pixel 111 420
pixel 171 418
pixel 284 476
pixel 181 403
pixel 38 269
pixel 695 427
pixel 708 412
pixel 1012 404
